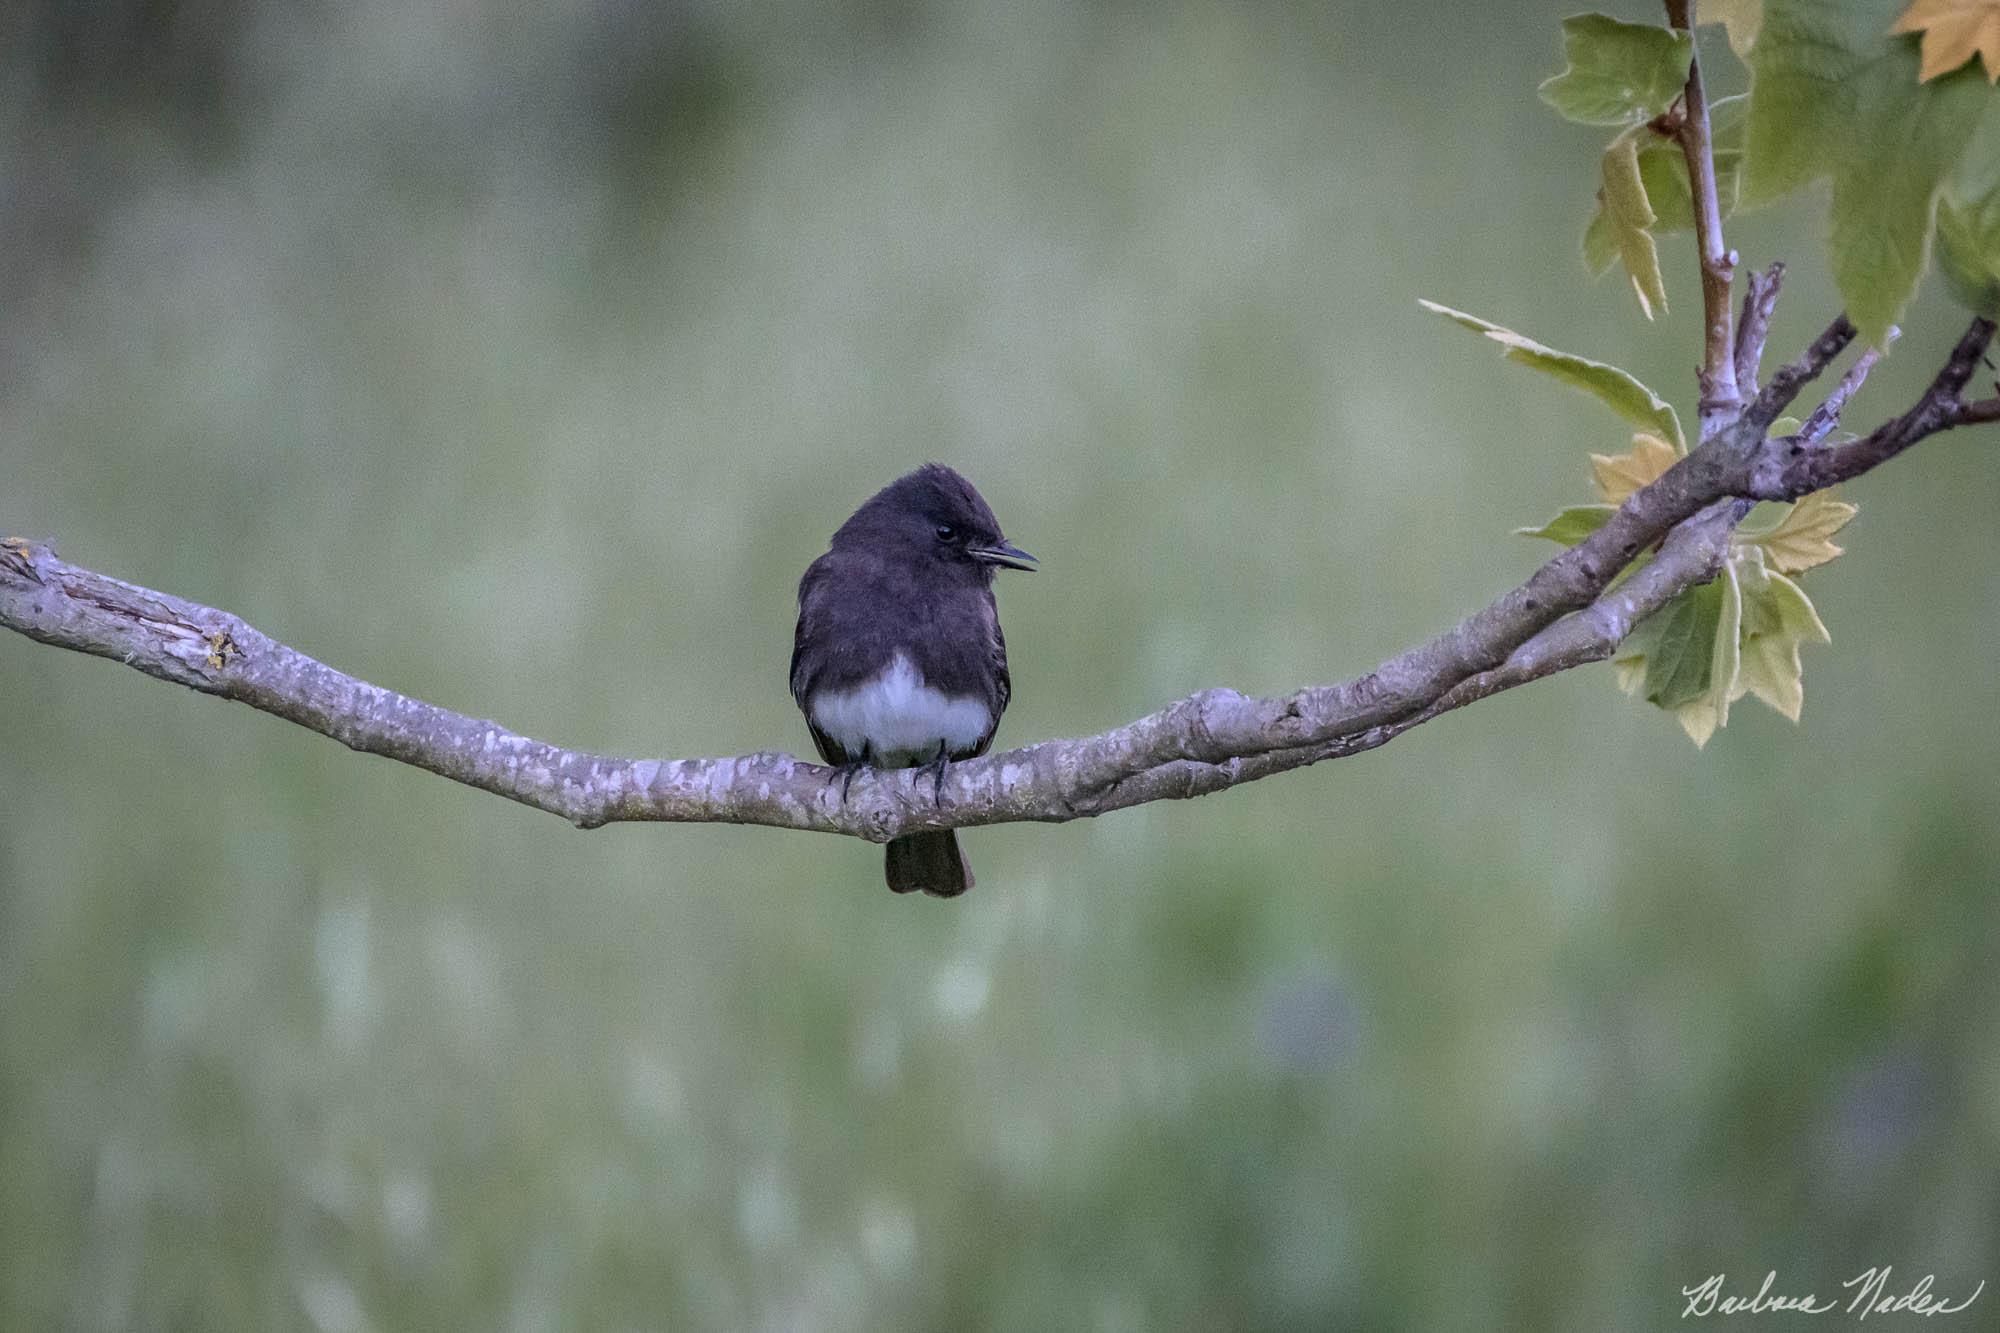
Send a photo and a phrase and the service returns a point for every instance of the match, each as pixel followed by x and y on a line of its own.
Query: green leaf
pixel 1613 387
pixel 1664 172
pixel 1677 644
pixel 1969 251
pixel 1572 525
pixel 1701 718
pixel 1968 220
pixel 1978 171
pixel 1714 644
pixel 1800 102
pixel 1833 93
pixel 1619 73
pixel 1726 118
pixel 1684 657
pixel 1884 194
pixel 1623 198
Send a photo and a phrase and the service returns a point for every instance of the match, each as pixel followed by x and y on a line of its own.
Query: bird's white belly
pixel 898 718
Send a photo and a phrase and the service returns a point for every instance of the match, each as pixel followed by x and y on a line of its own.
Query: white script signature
pixel 1871 1296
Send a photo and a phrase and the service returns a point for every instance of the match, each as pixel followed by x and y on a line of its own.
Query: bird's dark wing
pixel 812 620
pixel 808 660
pixel 1000 687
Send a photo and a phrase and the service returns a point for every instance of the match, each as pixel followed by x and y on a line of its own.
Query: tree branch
pixel 1204 743
pixel 1692 554
pixel 1784 469
pixel 1217 725
pixel 1720 399
pixel 216 653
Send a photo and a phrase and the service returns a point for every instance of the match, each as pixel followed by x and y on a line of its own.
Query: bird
pixel 898 660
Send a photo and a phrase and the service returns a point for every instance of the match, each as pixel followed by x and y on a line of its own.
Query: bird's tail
pixel 931 862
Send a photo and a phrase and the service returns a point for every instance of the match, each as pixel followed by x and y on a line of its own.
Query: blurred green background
pixel 520 356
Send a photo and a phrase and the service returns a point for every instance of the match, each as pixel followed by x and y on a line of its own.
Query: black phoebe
pixel 898 660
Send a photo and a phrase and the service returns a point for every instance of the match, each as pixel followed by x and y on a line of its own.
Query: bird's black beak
pixel 1003 555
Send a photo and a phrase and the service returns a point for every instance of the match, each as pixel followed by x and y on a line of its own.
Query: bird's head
pixel 933 514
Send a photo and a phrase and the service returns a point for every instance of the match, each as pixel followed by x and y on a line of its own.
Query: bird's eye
pixel 945 532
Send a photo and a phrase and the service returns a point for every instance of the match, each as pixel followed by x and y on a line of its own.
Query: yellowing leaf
pixel 1699 720
pixel 1777 618
pixel 1619 73
pixel 1618 475
pixel 1954 31
pixel 1624 198
pixel 1600 242
pixel 1615 388
pixel 1726 663
pixel 1802 538
pixel 1742 18
pixel 1663 174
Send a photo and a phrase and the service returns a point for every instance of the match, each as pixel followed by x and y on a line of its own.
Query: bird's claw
pixel 941 763
pixel 845 773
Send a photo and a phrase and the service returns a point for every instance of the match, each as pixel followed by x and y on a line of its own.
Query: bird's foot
pixel 936 768
pixel 844 773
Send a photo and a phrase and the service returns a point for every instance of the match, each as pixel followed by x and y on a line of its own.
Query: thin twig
pixel 1759 302
pixel 1720 399
pixel 1820 423
pixel 1793 376
pixel 1786 468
